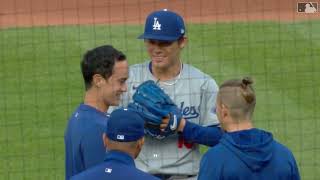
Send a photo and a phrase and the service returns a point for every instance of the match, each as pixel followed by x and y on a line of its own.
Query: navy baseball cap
pixel 163 25
pixel 125 125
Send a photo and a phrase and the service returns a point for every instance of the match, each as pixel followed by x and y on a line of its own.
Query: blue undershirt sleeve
pixel 195 133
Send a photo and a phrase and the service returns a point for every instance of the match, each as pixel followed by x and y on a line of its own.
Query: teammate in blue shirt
pixel 105 71
pixel 244 152
pixel 123 138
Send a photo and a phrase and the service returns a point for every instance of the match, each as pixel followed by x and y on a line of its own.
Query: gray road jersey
pixel 195 93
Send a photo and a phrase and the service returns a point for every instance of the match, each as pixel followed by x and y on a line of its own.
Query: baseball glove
pixel 152 103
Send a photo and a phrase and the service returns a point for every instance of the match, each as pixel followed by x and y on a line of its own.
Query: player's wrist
pixel 181 125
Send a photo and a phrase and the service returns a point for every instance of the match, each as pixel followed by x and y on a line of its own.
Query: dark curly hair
pixel 99 60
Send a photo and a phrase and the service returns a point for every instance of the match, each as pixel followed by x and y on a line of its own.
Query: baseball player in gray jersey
pixel 193 91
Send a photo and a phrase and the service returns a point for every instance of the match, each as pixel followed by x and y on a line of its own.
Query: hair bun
pixel 247 93
pixel 247 81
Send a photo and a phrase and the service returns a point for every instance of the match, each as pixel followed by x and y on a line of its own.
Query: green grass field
pixel 41 84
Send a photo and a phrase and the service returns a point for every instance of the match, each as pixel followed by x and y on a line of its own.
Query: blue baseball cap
pixel 125 125
pixel 163 25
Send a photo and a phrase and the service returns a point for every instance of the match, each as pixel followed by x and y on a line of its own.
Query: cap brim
pixel 158 37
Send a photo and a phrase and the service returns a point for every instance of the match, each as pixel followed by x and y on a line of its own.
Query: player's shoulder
pixel 91 173
pixel 195 73
pixel 139 67
pixel 134 173
pixel 282 150
pixel 215 151
pixel 76 117
pixel 138 72
pixel 85 118
pixel 204 80
pixel 90 112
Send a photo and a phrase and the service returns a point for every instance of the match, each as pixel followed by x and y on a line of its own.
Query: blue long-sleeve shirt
pixel 84 146
pixel 195 133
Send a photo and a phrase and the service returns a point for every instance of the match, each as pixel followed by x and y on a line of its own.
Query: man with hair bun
pixel 244 152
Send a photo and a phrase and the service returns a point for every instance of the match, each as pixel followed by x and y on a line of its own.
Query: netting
pixel 42 41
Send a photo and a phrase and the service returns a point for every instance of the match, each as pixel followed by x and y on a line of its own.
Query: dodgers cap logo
pixel 163 25
pixel 156 24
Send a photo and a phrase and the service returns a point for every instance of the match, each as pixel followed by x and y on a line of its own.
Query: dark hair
pixel 239 96
pixel 99 60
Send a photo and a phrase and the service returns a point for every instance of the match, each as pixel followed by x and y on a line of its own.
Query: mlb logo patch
pixel 307 7
pixel 108 170
pixel 120 137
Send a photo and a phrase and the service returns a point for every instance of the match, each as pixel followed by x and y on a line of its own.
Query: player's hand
pixel 164 123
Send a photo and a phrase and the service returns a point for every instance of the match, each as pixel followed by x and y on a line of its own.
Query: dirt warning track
pixel 25 13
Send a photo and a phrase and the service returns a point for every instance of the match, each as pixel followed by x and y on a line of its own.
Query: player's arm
pixel 73 157
pixel 68 158
pixel 92 147
pixel 195 133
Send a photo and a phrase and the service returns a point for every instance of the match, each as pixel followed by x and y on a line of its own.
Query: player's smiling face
pixel 164 53
pixel 116 84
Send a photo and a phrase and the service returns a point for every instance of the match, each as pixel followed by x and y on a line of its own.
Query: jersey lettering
pixel 189 112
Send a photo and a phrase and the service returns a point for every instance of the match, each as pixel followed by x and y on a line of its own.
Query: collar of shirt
pixel 122 157
pixel 150 67
pixel 85 107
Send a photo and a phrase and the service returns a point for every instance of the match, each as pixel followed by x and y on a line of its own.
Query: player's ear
pixel 224 111
pixel 97 80
pixel 138 147
pixel 142 141
pixel 183 42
